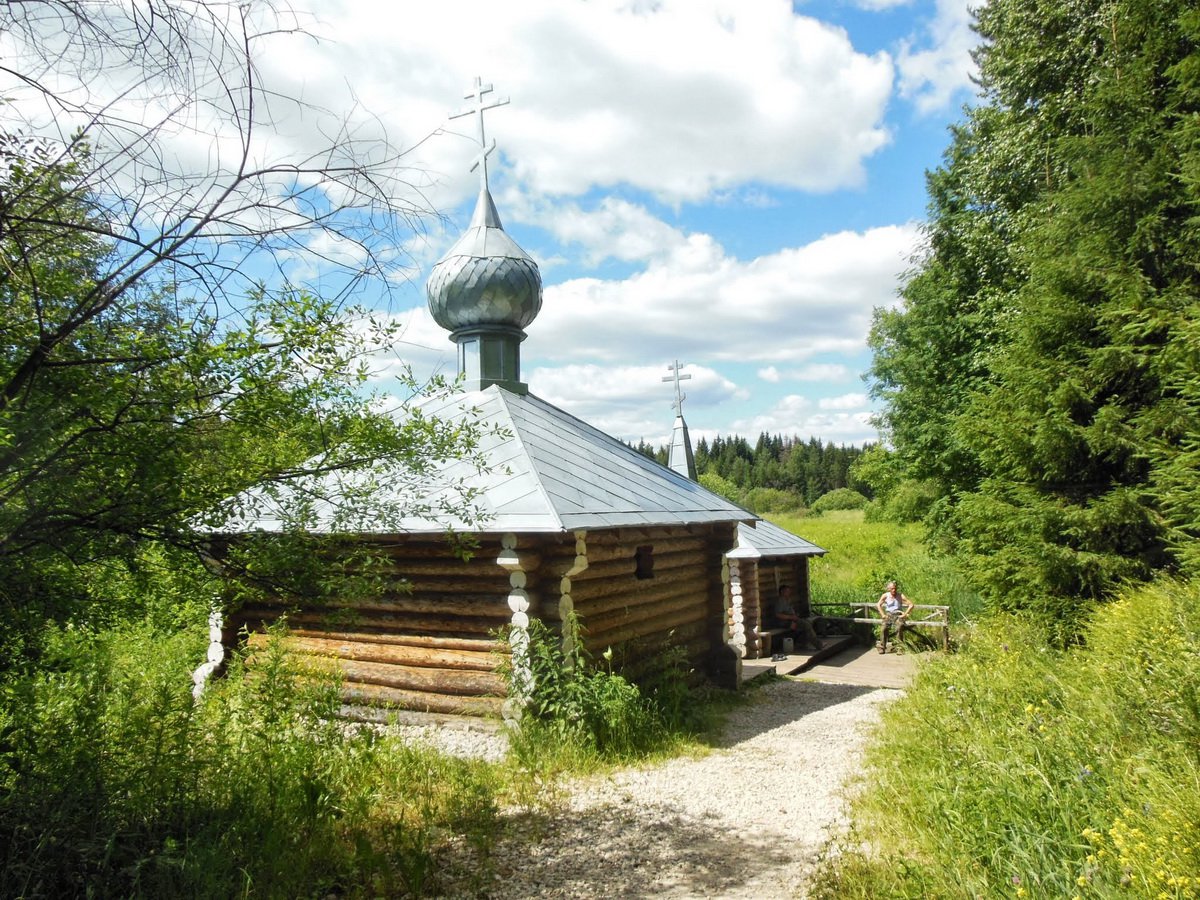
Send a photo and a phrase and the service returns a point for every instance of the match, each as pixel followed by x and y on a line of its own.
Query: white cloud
pixel 821 372
pixel 703 304
pixel 618 229
pixel 939 66
pixel 630 401
pixel 770 373
pixel 794 415
pixel 845 401
pixel 604 95
pixel 876 5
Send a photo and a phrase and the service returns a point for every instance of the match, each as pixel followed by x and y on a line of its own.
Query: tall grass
pixel 1018 770
pixel 863 556
pixel 113 782
pixel 579 714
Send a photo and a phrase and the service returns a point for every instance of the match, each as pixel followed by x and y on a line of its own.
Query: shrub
pixel 721 486
pixel 839 498
pixel 577 713
pixel 764 500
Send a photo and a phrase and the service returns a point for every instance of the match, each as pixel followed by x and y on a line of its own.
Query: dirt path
pixel 745 821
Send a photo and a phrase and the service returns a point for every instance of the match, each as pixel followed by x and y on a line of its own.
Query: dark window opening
pixel 644 561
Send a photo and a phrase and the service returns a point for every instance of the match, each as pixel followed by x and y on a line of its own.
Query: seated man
pixel 784 615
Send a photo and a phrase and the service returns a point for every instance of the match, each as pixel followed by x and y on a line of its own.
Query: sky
pixel 731 184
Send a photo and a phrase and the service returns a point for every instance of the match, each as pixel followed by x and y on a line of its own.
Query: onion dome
pixel 485 278
pixel 485 290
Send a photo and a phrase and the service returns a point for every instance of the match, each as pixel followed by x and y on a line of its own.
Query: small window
pixel 644 562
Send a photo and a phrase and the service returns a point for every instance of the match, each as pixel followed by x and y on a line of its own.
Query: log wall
pixel 681 602
pixel 428 642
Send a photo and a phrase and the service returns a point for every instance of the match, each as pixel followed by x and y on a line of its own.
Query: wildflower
pixel 1085 772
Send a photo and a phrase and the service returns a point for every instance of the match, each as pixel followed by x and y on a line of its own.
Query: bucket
pixel 788 645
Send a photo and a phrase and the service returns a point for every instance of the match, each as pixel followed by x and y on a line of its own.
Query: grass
pixel 863 556
pixel 114 783
pixel 1013 769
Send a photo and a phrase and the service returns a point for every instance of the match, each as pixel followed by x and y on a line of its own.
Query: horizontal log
pixel 381 695
pixel 493 603
pixel 620 567
pixel 641 595
pixel 411 545
pixel 391 636
pixel 367 651
pixel 588 590
pixel 663 623
pixel 425 565
pixel 643 611
pixel 695 650
pixel 413 678
pixel 690 635
pixel 420 623
pixel 627 566
pixel 606 552
pixel 650 534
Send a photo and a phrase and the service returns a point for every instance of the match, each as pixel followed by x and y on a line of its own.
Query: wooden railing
pixel 923 615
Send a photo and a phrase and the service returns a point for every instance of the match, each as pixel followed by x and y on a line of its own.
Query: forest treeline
pixel 1041 380
pixel 777 473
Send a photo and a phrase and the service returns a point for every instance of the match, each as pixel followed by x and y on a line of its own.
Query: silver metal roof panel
pixel 762 538
pixel 549 472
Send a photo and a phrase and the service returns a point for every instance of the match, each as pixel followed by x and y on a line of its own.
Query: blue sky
pixel 733 184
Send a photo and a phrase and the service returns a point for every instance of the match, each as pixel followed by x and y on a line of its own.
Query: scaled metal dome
pixel 485 278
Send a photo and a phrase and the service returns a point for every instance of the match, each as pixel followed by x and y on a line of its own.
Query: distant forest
pixel 806 470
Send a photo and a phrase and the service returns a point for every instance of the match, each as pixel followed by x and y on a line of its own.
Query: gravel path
pixel 745 821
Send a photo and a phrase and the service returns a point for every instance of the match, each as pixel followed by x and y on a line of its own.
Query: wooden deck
pixel 841 661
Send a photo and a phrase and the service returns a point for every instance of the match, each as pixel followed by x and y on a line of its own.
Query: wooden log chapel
pixel 575 522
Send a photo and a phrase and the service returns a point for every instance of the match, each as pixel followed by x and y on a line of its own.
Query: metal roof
pixel 762 538
pixel 548 472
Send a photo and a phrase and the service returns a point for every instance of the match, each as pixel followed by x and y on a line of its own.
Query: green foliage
pixel 764 500
pixel 132 416
pixel 862 556
pixel 839 498
pixel 113 782
pixel 577 712
pixel 1013 769
pixel 1042 372
pixel 722 486
pixel 801 470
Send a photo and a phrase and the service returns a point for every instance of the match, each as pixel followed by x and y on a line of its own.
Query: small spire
pixel 477 93
pixel 680 458
pixel 676 377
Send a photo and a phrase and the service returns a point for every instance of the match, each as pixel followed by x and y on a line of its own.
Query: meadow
pixel 862 556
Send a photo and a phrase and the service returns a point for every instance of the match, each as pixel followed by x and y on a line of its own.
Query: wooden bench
pixel 766 637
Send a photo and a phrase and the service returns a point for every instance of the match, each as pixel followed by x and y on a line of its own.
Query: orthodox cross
pixel 477 93
pixel 676 377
